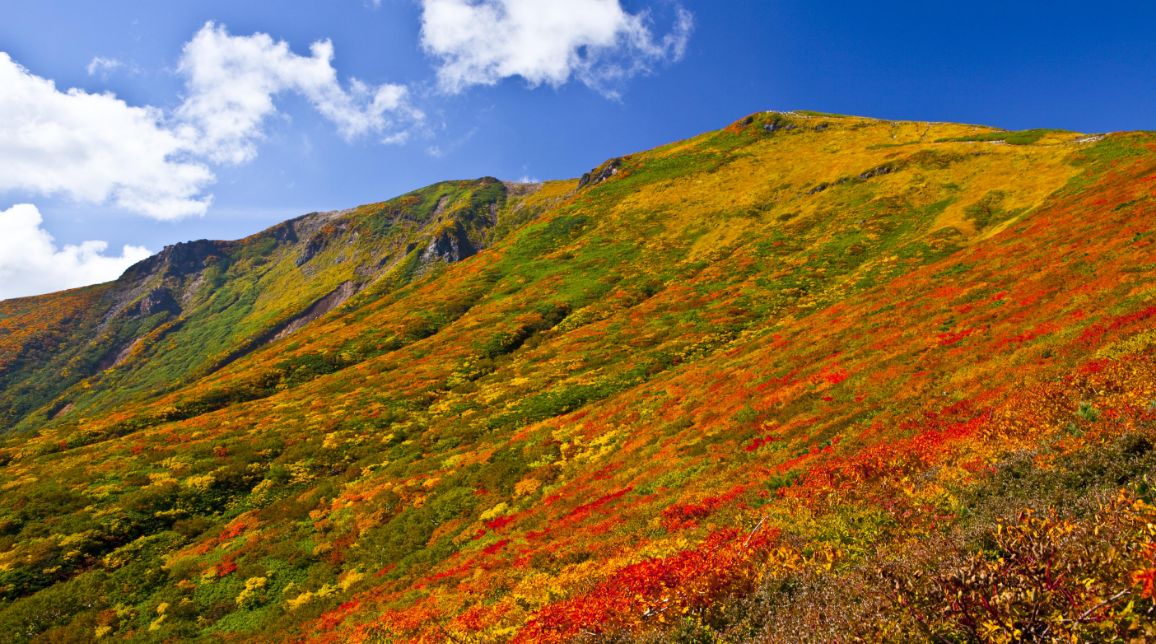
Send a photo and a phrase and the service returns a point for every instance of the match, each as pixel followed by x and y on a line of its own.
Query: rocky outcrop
pixel 315 245
pixel 114 358
pixel 450 245
pixel 600 174
pixel 779 124
pixel 179 260
pixel 166 282
pixel 158 300
pixel 878 171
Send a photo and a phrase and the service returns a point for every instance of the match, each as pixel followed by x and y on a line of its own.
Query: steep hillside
pixel 806 377
pixel 198 306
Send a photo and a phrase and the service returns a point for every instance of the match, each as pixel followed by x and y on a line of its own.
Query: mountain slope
pixel 198 306
pixel 682 392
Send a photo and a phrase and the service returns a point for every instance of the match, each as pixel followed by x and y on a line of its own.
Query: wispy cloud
pixel 445 148
pixel 101 66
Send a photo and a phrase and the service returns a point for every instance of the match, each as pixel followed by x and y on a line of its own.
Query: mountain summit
pixel 808 377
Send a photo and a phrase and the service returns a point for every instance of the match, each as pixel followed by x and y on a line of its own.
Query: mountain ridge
pixel 690 393
pixel 167 283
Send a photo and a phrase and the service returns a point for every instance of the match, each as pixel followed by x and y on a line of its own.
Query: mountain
pixel 809 377
pixel 198 306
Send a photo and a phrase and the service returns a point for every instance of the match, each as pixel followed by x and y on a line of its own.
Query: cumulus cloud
pixel 232 81
pixel 31 262
pixel 94 148
pixel 481 42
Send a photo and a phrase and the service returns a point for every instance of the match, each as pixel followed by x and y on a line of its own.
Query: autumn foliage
pixel 808 378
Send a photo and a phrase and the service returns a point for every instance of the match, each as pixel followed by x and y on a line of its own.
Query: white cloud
pixel 102 66
pixel 93 148
pixel 480 42
pixel 31 262
pixel 232 81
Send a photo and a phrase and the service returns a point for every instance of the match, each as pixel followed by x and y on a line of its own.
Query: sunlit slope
pixel 779 218
pixel 765 354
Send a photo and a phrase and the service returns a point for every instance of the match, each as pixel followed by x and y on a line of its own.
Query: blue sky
pixel 516 89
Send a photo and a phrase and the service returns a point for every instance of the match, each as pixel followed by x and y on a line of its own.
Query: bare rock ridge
pixel 179 260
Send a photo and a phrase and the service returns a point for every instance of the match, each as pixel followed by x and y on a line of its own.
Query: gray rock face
pixel 179 260
pixel 886 168
pixel 450 245
pixel 315 245
pixel 600 174
pixel 779 124
pixel 157 301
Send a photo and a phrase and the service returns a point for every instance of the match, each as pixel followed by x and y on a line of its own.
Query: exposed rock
pixel 886 168
pixel 440 207
pixel 283 232
pixel 315 245
pixel 324 236
pixel 115 358
pixel 192 288
pixel 878 171
pixel 519 188
pixel 600 174
pixel 62 411
pixel 180 260
pixel 827 184
pixel 449 245
pixel 156 301
pixel 779 124
pixel 319 308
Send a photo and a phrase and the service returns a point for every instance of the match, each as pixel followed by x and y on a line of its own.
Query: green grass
pixel 1022 137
